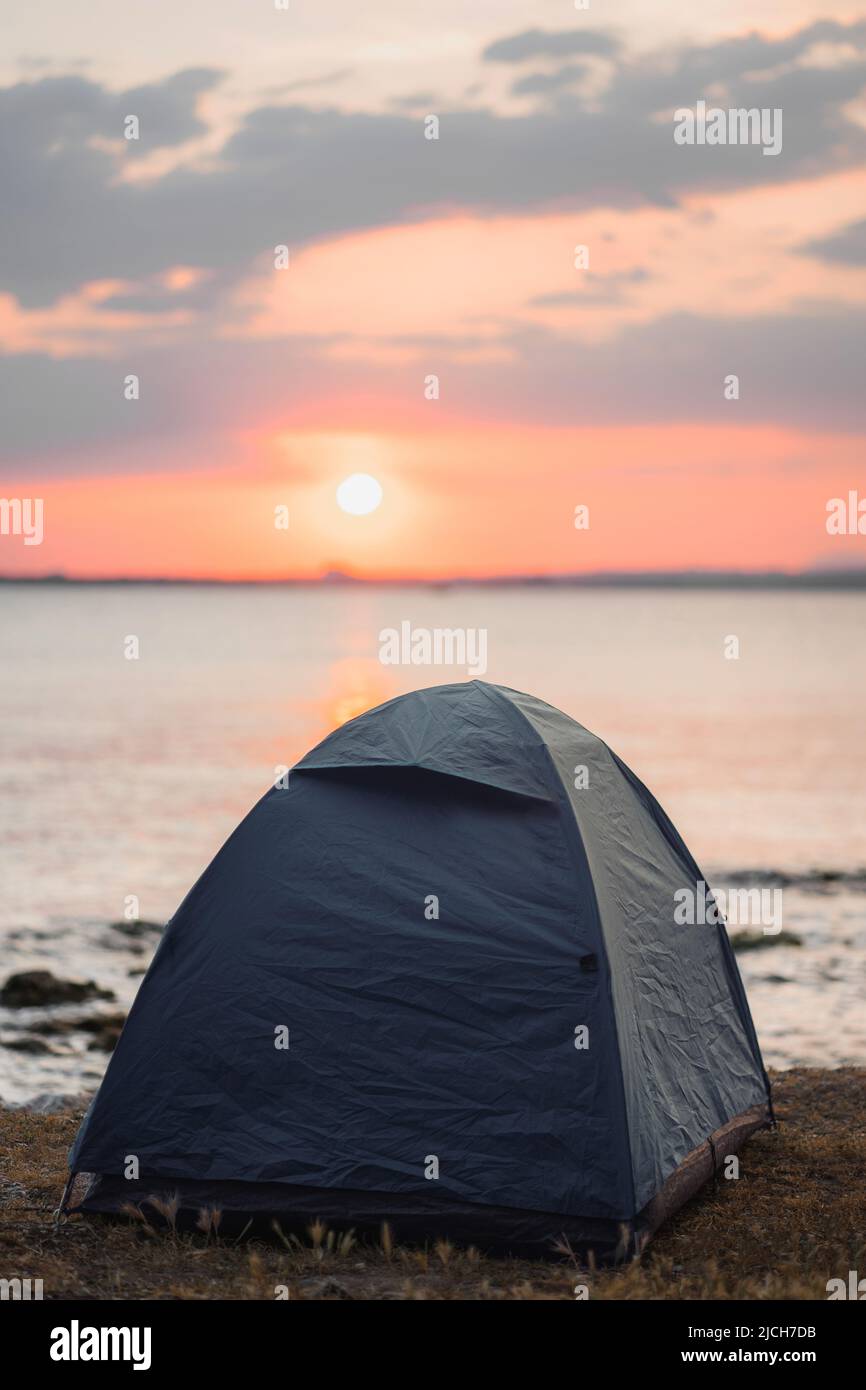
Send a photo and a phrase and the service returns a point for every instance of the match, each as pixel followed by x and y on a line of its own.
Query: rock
pixel 27 1042
pixel 756 940
pixel 138 927
pixel 52 1103
pixel 105 1032
pixel 57 1027
pixel 37 988
pixel 105 1029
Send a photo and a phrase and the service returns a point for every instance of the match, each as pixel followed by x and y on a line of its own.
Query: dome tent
pixel 435 980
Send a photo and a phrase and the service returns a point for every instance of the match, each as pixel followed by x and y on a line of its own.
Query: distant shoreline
pixel 852 580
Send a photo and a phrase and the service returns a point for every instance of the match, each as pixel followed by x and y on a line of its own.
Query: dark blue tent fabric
pixel 418 1034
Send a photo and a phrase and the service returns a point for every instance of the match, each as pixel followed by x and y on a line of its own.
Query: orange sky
pixel 754 509
pixel 558 386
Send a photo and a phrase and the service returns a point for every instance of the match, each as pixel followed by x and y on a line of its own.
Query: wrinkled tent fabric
pixel 433 1077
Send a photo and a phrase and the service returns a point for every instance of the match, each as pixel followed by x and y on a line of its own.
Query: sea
pixel 140 722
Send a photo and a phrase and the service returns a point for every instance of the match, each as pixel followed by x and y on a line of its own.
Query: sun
pixel 359 494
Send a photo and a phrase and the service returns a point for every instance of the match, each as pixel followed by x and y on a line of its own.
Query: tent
pixel 434 979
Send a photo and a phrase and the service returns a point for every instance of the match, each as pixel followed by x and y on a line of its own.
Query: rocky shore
pixel 45 1016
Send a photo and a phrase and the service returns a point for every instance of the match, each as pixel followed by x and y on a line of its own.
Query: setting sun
pixel 359 494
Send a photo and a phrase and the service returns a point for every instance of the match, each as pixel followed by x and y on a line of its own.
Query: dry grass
pixel 795 1218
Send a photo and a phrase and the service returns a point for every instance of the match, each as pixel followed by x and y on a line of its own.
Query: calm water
pixel 124 777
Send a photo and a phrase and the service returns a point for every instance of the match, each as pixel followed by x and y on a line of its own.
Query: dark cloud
pixel 293 174
pixel 847 247
pixel 51 119
pixel 543 43
pixel 54 404
pixel 540 82
pixel 166 110
pixel 68 410
pixel 801 370
pixel 413 100
pixel 745 66
pixel 67 218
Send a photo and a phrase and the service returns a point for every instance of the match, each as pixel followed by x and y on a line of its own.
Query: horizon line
pixel 842 578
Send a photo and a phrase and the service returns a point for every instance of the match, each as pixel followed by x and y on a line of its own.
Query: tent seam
pixel 563 800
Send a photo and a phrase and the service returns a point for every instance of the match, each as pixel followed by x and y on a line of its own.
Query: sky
pixel 430 322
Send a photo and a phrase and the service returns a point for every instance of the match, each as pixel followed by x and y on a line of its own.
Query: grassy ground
pixel 795 1218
